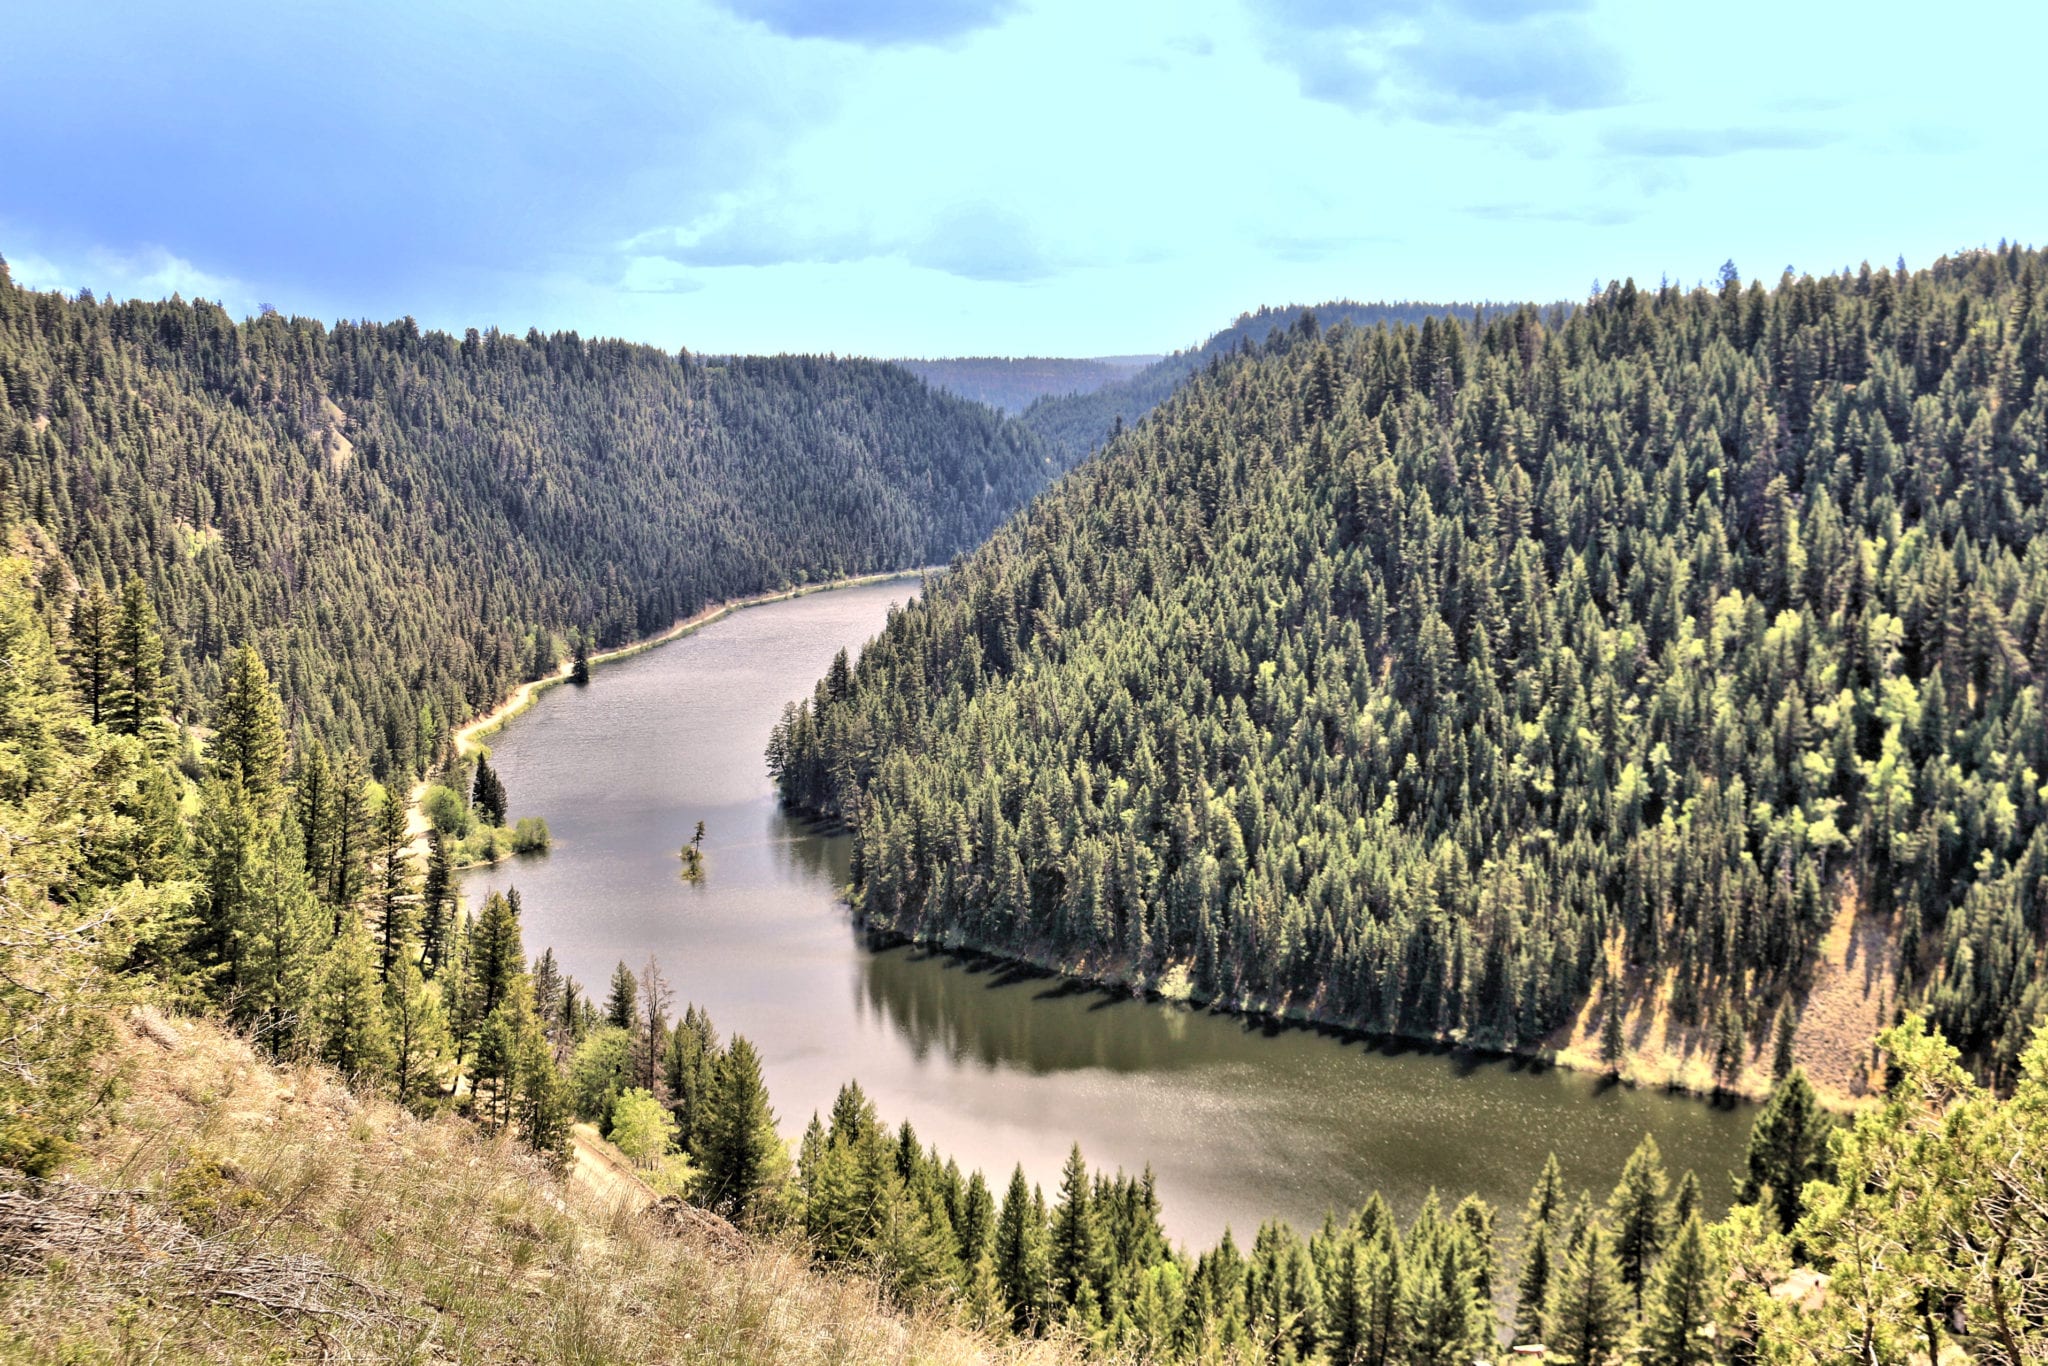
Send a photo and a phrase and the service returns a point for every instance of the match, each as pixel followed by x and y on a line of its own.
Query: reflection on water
pixel 992 1064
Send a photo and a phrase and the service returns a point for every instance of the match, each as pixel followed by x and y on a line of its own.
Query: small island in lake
pixel 693 856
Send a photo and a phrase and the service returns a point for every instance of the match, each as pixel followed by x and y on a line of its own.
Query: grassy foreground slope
pixel 228 1209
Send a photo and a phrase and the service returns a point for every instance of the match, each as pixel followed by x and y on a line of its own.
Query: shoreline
pixel 467 737
pixel 1272 1018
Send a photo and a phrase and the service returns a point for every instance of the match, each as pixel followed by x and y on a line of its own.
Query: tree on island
pixel 693 855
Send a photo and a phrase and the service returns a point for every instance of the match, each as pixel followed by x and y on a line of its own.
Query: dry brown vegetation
pixel 1849 1002
pixel 232 1211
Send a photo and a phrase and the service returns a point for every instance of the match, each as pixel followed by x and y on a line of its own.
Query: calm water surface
pixel 994 1067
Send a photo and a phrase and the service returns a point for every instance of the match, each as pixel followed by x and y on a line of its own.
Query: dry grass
pixel 236 1212
pixel 1847 1006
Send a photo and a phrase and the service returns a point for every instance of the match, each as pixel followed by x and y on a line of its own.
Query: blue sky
pixel 1064 177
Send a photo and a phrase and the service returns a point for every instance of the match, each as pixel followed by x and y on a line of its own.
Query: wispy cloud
pixel 880 23
pixel 974 240
pixel 1445 61
pixel 1713 142
pixel 147 272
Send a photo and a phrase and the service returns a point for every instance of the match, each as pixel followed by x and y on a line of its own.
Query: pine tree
pixel 579 671
pixel 1730 1048
pixel 392 893
pixel 1073 1250
pixel 1021 1265
pixel 497 957
pixel 1788 1146
pixel 90 652
pixel 1782 1057
pixel 135 693
pixel 1532 1287
pixel 487 792
pixel 1546 1197
pixel 1587 1314
pixel 1637 1212
pixel 1613 1044
pixel 622 1005
pixel 738 1153
pixel 248 744
pixel 1680 1303
pixel 437 907
pixel 1685 1200
pixel 418 1030
pixel 541 1099
pixel 349 1022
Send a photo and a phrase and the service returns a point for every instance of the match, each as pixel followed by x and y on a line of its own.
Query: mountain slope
pixel 1012 383
pixel 1423 681
pixel 408 523
pixel 1074 424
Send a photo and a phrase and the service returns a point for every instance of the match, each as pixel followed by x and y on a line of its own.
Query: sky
pixel 991 177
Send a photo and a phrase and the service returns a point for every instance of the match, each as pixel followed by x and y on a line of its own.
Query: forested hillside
pixel 1426 679
pixel 1075 423
pixel 330 1183
pixel 1013 382
pixel 408 523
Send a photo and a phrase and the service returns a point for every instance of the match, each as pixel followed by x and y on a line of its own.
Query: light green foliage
pixel 71 913
pixel 445 811
pixel 599 1069
pixel 1938 1193
pixel 530 836
pixel 641 1128
pixel 351 1029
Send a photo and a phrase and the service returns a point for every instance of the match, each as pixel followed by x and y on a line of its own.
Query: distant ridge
pixel 1076 422
pixel 1013 383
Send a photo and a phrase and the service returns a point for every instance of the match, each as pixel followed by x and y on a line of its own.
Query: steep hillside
pixel 1075 423
pixel 409 523
pixel 229 1210
pixel 1426 681
pixel 1012 383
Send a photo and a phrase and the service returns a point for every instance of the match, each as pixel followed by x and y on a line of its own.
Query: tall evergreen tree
pixel 738 1153
pixel 1021 1264
pixel 248 747
pixel 135 694
pixel 621 1005
pixel 1788 1147
pixel 1680 1303
pixel 1638 1213
pixel 349 1019
pixel 91 652
pixel 1588 1311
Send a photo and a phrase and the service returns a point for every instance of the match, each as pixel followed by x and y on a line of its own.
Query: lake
pixel 1240 1123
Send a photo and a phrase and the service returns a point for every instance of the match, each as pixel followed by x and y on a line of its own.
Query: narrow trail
pixel 604 1169
pixel 468 736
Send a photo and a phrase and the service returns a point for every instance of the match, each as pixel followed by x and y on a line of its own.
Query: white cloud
pixel 146 272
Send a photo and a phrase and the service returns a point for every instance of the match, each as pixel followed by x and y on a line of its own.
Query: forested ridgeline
pixel 1074 423
pixel 408 523
pixel 1424 679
